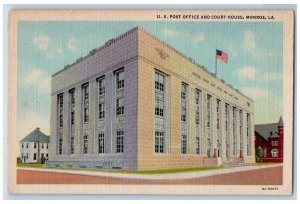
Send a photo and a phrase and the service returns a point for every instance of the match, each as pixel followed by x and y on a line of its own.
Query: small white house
pixel 34 147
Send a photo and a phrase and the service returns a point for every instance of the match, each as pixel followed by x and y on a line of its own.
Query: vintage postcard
pixel 150 102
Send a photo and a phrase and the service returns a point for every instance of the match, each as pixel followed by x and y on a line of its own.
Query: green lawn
pixel 163 171
pixel 32 165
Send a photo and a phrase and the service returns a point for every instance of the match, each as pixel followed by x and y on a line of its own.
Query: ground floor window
pixel 197 145
pixel 101 143
pixel 85 144
pixel 265 152
pixel 159 142
pixel 183 144
pixel 34 156
pixel 274 153
pixel 120 142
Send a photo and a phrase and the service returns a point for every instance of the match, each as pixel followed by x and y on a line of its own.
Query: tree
pixel 258 154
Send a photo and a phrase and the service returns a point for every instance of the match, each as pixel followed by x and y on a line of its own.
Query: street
pixel 264 176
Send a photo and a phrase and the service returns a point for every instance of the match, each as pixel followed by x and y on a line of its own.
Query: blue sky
pixel 255 58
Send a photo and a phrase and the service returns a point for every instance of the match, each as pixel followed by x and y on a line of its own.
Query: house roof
pixel 36 136
pixel 265 129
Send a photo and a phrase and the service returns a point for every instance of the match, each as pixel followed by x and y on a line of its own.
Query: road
pixel 265 176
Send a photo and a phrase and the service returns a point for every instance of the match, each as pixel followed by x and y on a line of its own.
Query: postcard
pixel 150 102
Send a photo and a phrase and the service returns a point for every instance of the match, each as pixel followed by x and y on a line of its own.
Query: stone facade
pixel 141 57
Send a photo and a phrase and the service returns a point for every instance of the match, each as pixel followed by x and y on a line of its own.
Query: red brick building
pixel 269 138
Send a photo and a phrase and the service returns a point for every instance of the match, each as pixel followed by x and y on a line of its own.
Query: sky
pixel 255 59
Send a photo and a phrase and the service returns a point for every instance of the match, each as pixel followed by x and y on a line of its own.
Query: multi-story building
pixel 137 103
pixel 34 147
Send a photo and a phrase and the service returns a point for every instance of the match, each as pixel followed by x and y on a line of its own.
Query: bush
pixel 19 161
pixel 258 154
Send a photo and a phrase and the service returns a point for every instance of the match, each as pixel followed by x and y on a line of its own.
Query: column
pixel 66 123
pixel 223 130
pixel 203 123
pixel 78 121
pixel 92 116
pixel 109 112
pixel 191 121
pixel 213 126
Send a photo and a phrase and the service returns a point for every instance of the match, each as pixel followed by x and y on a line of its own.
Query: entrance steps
pixel 233 162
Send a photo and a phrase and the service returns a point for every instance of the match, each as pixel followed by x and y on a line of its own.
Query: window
pixel 241 130
pixel 60 143
pixel 120 142
pixel 183 144
pixel 47 145
pixel 183 102
pixel 47 156
pixel 34 156
pixel 120 79
pixel 102 111
pixel 198 120
pixel 27 156
pixel 219 137
pixel 101 86
pixel 120 106
pixel 42 156
pixel 276 143
pixel 272 143
pixel 159 81
pixel 197 145
pixel 42 145
pixel 265 152
pixel 274 153
pixel 60 101
pixel 159 142
pixel 27 144
pixel 72 107
pixel 72 145
pixel 208 125
pixel 227 129
pixel 85 144
pixel 34 145
pixel 85 90
pixel 249 149
pixel 159 107
pixel 234 130
pixel 22 145
pixel 72 118
pixel 101 143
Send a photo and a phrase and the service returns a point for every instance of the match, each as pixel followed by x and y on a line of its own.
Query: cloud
pixel 249 39
pixel 42 42
pixel 38 79
pixel 72 44
pixel 199 37
pixel 170 33
pixel 54 53
pixel 251 73
pixel 246 73
pixel 256 92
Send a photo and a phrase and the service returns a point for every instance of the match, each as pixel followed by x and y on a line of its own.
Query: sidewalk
pixel 171 176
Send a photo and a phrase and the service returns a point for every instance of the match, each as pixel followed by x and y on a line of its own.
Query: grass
pixel 263 163
pixel 32 165
pixel 162 171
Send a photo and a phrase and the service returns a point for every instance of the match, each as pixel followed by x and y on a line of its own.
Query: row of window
pixel 35 145
pixel 34 156
pixel 274 152
pixel 159 112
pixel 85 106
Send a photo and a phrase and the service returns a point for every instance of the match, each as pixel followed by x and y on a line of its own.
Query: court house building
pixel 137 103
